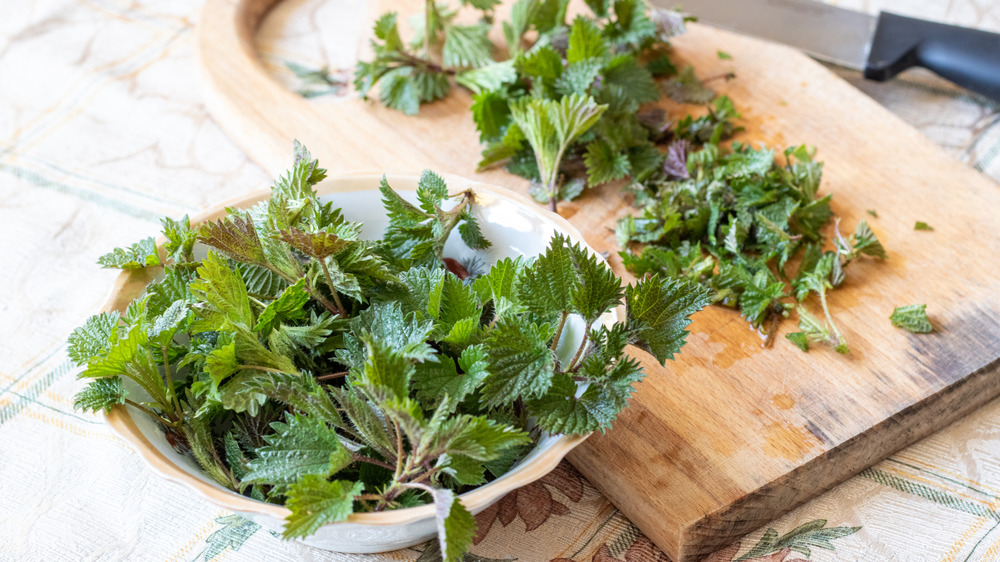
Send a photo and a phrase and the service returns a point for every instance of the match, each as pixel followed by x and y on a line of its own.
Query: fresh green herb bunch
pixel 564 104
pixel 304 366
pixel 735 220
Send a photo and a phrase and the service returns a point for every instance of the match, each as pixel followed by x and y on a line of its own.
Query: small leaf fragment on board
pixel 921 225
pixel 912 318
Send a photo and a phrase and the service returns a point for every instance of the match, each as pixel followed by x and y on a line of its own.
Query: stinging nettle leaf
pixel 386 370
pixel 549 284
pixel 224 290
pixel 236 236
pixel 100 395
pixel 659 310
pixel 95 338
pixel 600 289
pixel 180 238
pixel 604 164
pixel 488 78
pixel 455 524
pixel 585 41
pixel 137 256
pixel 467 45
pixel 865 241
pixel 299 447
pixel 521 363
pixel 288 306
pixel 318 245
pixel 315 501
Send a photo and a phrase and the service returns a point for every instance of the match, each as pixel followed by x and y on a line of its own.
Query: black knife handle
pixel 967 57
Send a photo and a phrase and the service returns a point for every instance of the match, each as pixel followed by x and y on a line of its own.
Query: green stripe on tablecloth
pixel 595 533
pixel 943 477
pixel 31 395
pixel 32 365
pixel 928 493
pixel 112 186
pixel 624 540
pixel 980 541
pixel 31 368
pixel 27 400
pixel 39 180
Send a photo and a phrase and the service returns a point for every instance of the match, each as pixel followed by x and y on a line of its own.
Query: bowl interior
pixel 515 226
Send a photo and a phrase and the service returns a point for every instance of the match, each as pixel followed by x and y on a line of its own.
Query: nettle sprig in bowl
pixel 302 365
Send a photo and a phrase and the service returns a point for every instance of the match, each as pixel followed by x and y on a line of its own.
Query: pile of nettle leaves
pixel 735 221
pixel 304 366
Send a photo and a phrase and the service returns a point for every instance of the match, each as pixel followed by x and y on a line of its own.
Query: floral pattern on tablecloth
pixel 102 131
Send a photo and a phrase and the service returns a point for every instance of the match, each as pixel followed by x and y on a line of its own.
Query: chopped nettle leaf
pixel 302 365
pixel 921 225
pixel 912 318
pixel 686 87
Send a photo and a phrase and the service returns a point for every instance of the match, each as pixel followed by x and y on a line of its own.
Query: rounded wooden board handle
pixel 263 118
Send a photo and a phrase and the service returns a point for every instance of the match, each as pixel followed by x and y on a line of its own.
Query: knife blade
pixel 882 46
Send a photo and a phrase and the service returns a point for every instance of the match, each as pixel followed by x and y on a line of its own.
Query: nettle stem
pixel 579 353
pixel 829 319
pixel 399 451
pixel 165 420
pixel 309 288
pixel 332 376
pixel 325 302
pixel 455 215
pixel 333 289
pixel 559 331
pixel 171 392
pixel 369 460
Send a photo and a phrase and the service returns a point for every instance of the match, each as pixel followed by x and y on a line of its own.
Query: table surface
pixel 102 131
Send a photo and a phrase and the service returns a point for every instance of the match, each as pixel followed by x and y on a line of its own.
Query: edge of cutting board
pixel 688 541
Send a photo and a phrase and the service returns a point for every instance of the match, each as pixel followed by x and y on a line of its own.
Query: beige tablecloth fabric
pixel 102 131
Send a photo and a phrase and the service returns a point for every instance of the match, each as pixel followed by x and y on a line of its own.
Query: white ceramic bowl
pixel 514 224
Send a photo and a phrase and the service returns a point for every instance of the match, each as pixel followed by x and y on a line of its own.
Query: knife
pixel 882 46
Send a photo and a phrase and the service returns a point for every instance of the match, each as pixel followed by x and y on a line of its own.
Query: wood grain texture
pixel 730 435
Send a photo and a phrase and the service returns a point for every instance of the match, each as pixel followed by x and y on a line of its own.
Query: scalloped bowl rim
pixel 129 284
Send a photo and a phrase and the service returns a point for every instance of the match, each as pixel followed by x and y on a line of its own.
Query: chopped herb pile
pixel 302 365
pixel 736 220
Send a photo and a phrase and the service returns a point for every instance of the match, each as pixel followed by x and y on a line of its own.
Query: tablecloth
pixel 102 131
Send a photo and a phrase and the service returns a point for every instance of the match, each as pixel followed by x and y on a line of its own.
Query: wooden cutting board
pixel 730 435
